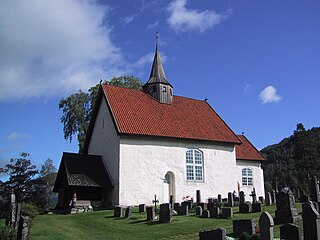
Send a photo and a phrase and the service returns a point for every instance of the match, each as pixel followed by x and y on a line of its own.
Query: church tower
pixel 158 85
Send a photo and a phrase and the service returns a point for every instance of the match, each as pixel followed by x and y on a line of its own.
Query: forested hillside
pixel 293 160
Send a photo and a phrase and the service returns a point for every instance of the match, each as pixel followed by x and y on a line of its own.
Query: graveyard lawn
pixel 102 225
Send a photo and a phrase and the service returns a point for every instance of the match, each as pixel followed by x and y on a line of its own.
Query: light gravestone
pixel 11 217
pixel 241 226
pixel 290 231
pixel 230 199
pixel 24 228
pixel 266 226
pixel 217 234
pixel 165 215
pixel 311 221
pixel 18 214
pixel 151 213
pixel 286 211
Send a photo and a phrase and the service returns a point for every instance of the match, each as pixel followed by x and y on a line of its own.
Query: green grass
pixel 102 225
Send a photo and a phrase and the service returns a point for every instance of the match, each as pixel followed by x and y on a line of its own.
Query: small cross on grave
pixel 254 196
pixel 155 201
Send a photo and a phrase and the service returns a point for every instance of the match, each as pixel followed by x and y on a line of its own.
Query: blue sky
pixel 258 62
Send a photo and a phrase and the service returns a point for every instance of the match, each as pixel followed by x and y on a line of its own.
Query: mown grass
pixel 102 225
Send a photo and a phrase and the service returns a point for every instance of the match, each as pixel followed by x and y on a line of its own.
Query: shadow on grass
pixel 109 217
pixel 139 221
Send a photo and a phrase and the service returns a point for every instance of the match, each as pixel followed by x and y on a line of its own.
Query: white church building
pixel 151 142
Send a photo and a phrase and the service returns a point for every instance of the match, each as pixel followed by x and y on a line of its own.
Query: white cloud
pixel 246 88
pixel 53 48
pixel 129 19
pixel 153 25
pixel 182 19
pixel 269 94
pixel 15 136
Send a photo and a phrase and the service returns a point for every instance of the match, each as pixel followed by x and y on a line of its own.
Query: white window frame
pixel 193 165
pixel 247 176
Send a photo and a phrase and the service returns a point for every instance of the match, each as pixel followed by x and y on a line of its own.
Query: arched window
pixel 246 176
pixel 194 165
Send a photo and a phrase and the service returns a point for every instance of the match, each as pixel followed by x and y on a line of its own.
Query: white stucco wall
pixel 105 142
pixel 257 177
pixel 144 163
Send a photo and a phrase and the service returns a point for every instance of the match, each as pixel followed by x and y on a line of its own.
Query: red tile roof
pixel 246 151
pixel 135 112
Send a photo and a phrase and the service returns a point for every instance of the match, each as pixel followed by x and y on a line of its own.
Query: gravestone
pixel 203 205
pixel 205 214
pixel 226 213
pixel 176 207
pixel 187 203
pixel 230 199
pixel 171 201
pixel 314 190
pixel 268 199
pixel 142 207
pixel 243 206
pixel 286 211
pixel 198 211
pixel 290 231
pixel 151 214
pixel 219 198
pixel 128 212
pixel 217 234
pixel 118 211
pixel 261 199
pixel 244 225
pixel 11 217
pixel 24 228
pixel 256 207
pixel 210 200
pixel 266 226
pixel 184 210
pixel 254 196
pixel 214 212
pixel 198 200
pixel 165 215
pixel 304 198
pixel 155 201
pixel 311 221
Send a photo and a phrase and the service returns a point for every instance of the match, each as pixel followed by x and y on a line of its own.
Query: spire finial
pixel 157 37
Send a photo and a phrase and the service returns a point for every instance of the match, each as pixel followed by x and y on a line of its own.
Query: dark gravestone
pixel 171 201
pixel 226 213
pixel 219 198
pixel 198 197
pixel 230 199
pixel 205 213
pixel 256 207
pixel 261 199
pixel 214 212
pixel 203 205
pixel 254 196
pixel 286 211
pixel 268 199
pixel 304 198
pixel 151 214
pixel 187 203
pixel 24 228
pixel 176 207
pixel 273 197
pixel 311 221
pixel 183 210
pixel 244 208
pixel 245 225
pixel 266 226
pixel 198 211
pixel 241 197
pixel 290 231
pixel 118 211
pixel 128 212
pixel 165 215
pixel 314 190
pixel 210 200
pixel 217 234
pixel 142 207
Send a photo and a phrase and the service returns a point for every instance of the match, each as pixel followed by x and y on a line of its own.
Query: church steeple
pixel 158 85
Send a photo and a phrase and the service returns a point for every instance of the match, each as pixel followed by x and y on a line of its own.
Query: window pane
pixel 189 156
pixel 198 173
pixel 249 172
pixel 198 157
pixel 249 181
pixel 244 181
pixel 190 173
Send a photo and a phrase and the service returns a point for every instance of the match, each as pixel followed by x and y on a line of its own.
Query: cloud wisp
pixel 183 19
pixel 49 50
pixel 129 19
pixel 269 95
pixel 16 136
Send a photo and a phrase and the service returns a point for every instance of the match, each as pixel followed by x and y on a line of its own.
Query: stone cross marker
pixel 266 226
pixel 155 201
pixel 254 196
pixel 311 221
